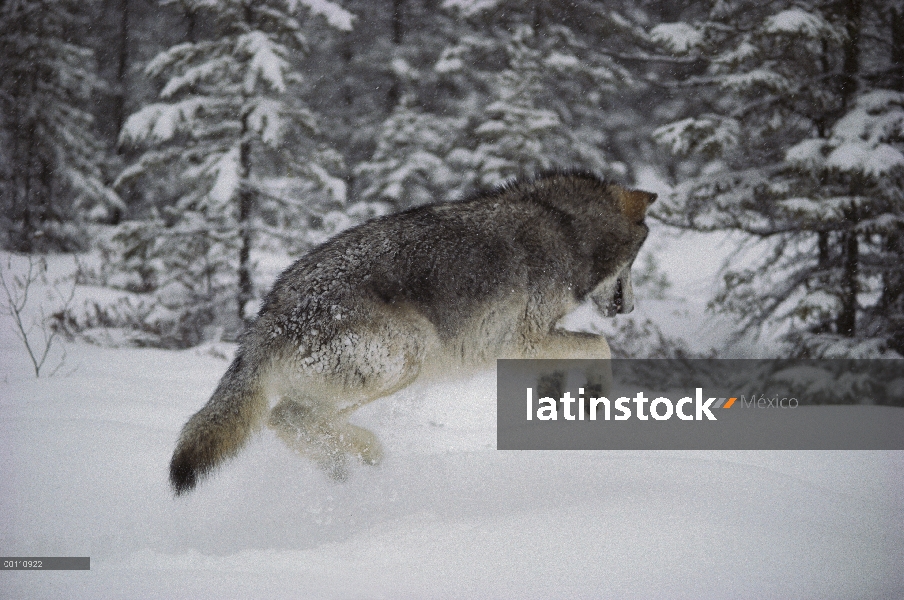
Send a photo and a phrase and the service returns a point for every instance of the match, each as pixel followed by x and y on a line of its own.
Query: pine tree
pixel 513 88
pixel 230 121
pixel 49 156
pixel 532 81
pixel 409 163
pixel 855 193
pixel 519 131
pixel 413 162
pixel 400 130
pixel 791 146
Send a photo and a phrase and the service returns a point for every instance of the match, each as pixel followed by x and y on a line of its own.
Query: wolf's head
pixel 604 225
pixel 615 293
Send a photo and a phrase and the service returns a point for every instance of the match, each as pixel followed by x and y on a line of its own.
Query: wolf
pixel 440 289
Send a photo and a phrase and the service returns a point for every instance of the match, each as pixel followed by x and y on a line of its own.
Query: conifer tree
pixel 515 88
pixel 413 162
pixel 793 146
pixel 230 120
pixel 532 77
pixel 50 159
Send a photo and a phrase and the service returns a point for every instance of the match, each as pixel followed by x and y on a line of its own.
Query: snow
pixel 470 7
pixel 446 515
pixel 677 37
pixel 871 121
pixel 336 187
pixel 265 65
pixel 706 133
pixel 560 60
pixel 858 140
pixel 402 69
pixel 756 78
pixel 159 122
pixel 195 75
pixel 862 157
pixel 335 15
pixel 880 100
pixel 796 21
pixel 823 209
pixel 448 64
pixel 808 153
pixel 492 129
pixel 819 300
pixel 83 467
pixel 266 120
pixel 225 170
pixel 744 51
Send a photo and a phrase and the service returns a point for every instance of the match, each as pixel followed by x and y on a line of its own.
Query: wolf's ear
pixel 634 203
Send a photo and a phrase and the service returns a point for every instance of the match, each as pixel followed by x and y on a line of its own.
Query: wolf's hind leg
pixel 312 417
pixel 311 435
pixel 326 439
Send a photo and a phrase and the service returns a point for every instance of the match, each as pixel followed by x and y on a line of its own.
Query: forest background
pixel 184 151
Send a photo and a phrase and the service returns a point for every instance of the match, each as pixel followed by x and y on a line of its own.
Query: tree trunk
pixel 853 10
pixel 897 49
pixel 398 33
pixel 191 25
pixel 246 205
pixel 846 322
pixel 122 67
pixel 398 22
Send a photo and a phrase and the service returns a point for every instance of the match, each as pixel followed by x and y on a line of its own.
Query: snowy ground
pixel 83 459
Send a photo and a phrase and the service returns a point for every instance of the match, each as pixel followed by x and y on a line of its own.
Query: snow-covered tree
pixel 230 119
pixel 49 156
pixel 519 130
pixel 413 161
pixel 791 146
pixel 532 77
pixel 404 133
pixel 852 186
pixel 513 88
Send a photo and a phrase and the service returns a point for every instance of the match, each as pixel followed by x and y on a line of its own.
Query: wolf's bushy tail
pixel 219 430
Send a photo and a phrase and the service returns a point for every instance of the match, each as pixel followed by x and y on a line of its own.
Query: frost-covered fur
pixel 436 290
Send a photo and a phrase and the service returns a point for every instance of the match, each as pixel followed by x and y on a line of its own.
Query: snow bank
pixel 83 471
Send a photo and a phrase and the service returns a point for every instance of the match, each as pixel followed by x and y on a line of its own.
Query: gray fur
pixel 438 288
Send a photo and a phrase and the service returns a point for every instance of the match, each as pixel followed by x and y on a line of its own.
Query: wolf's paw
pixel 365 445
pixel 551 385
pixel 594 390
pixel 371 454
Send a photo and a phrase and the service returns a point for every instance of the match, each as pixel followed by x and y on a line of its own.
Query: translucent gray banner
pixel 711 404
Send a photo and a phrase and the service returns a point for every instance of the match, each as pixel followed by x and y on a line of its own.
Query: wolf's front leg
pixel 571 345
